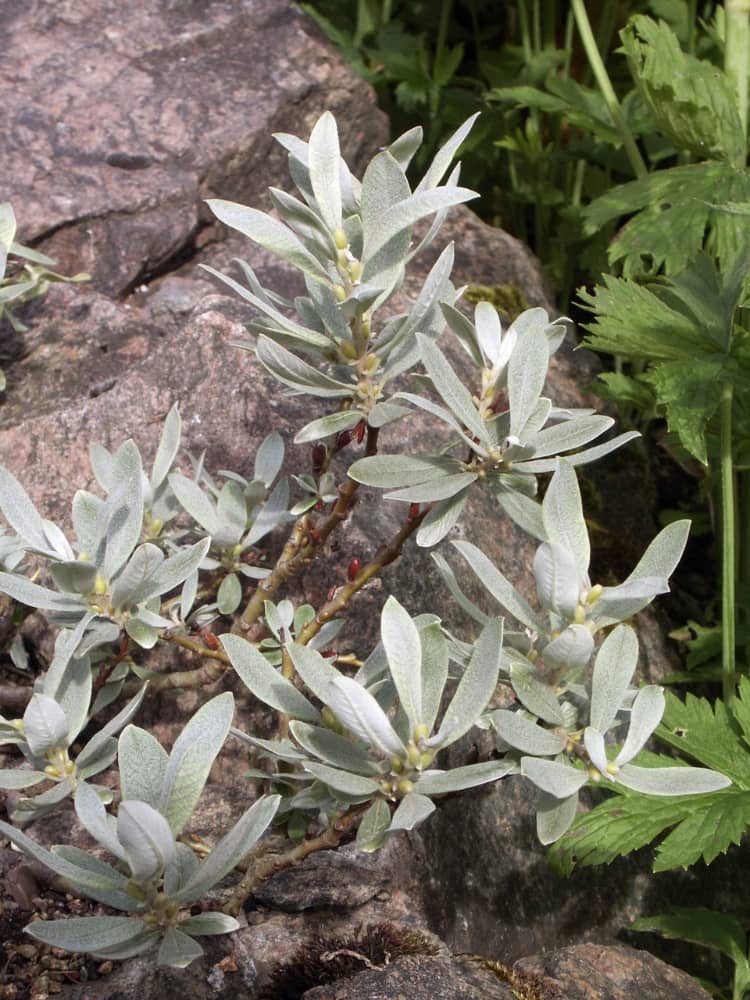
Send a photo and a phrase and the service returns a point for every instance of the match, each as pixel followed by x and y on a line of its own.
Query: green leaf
pixel 265 682
pixel 191 759
pixel 700 926
pixel 690 394
pixel 268 233
pixel 693 102
pixel 707 734
pixel 374 826
pixel 324 427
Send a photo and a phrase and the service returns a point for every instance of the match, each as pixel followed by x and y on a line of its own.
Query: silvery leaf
pixel 489 332
pixel 386 413
pixel 460 778
pixel 450 388
pixel 269 515
pixel 123 510
pixel 74 695
pixel 558 583
pixel 442 160
pixel 538 697
pixel 197 503
pixel 449 577
pixel 613 669
pixel 210 923
pixel 476 687
pixel 177 949
pixel 178 567
pixel 231 509
pixel 74 577
pixel 324 427
pixel 360 713
pixel 527 370
pixel 572 434
pixel 167 450
pixel 146 839
pixel 553 777
pixel 433 289
pixel 331 748
pixel 134 582
pixel 192 756
pixel 265 682
pixel 34 596
pixel 525 735
pixel 269 458
pixel 434 671
pixel 100 825
pixel 571 650
pixel 229 594
pixel 45 725
pixel 501 589
pixel 595 748
pixel 441 519
pixel 316 671
pixel 268 233
pixel 645 716
pixel 323 162
pixel 403 649
pixel 13 779
pixel 539 465
pixel 391 471
pixel 353 786
pixel 83 934
pixel 664 553
pixel 129 949
pixel 230 850
pixel 373 827
pixel 297 374
pixel 86 508
pixel 20 512
pixel 142 764
pixel 563 516
pixel 404 148
pixel 412 810
pixel 671 780
pixel 143 635
pixel 554 816
pixel 618 603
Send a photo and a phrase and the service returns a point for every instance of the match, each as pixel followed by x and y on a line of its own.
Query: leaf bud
pixel 397 765
pixel 421 732
pixel 413 753
pixel 405 786
pixel 414 510
pixel 100 585
pixel 355 270
pixel 426 759
pixel 580 615
pixel 359 431
pixel 340 239
pixel 353 569
pixel 319 455
pixel 348 349
pixel 340 292
pixel 594 594
pixel 342 259
pixel 343 438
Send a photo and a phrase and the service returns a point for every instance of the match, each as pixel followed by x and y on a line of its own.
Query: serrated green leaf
pixel 700 926
pixel 707 735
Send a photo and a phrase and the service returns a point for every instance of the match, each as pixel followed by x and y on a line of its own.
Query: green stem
pixel 608 93
pixel 727 549
pixel 744 570
pixel 737 59
pixel 523 16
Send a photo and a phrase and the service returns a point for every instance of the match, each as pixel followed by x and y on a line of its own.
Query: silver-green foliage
pixel 353 749
pixel 154 878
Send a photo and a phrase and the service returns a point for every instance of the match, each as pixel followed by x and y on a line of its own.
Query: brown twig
pixel 302 545
pixel 386 555
pixel 274 863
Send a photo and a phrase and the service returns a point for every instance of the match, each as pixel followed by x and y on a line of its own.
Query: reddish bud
pixel 250 557
pixel 209 638
pixel 332 593
pixel 414 510
pixel 329 654
pixel 353 570
pixel 319 505
pixel 319 455
pixel 314 534
pixel 343 438
pixel 359 431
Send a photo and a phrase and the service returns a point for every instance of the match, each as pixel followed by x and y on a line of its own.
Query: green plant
pixel 353 751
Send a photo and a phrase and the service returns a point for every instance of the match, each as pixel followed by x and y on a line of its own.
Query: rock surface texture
pixel 120 120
